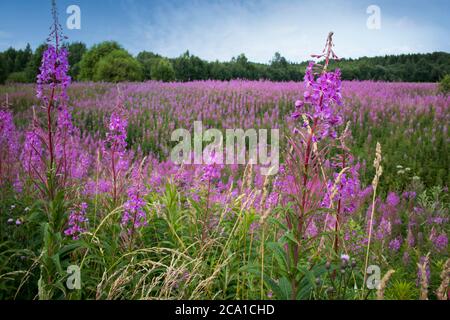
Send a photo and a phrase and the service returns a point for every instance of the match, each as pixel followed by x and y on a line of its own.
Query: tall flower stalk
pixel 114 148
pixel 44 156
pixel 319 121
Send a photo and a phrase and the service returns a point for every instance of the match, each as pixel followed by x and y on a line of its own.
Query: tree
pixel 22 58
pixel 239 67
pixel 147 60
pixel 17 77
pixel 278 61
pixel 3 69
pixel 34 63
pixel 91 58
pixel 189 67
pixel 163 71
pixel 118 66
pixel 10 59
pixel 219 71
pixel 76 52
pixel 430 67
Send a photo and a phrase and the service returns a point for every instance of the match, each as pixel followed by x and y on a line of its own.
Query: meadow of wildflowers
pixel 87 181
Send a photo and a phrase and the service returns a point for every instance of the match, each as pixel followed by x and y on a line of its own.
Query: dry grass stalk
pixel 423 278
pixel 442 291
pixel 376 179
pixel 383 284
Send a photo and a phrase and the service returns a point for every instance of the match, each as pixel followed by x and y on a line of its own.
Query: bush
pixel 17 77
pixel 163 71
pixel 118 66
pixel 88 63
pixel 147 60
pixel 444 85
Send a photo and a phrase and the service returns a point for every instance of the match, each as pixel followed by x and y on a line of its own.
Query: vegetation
pixel 94 206
pixel 430 67
pixel 444 85
pixel 117 66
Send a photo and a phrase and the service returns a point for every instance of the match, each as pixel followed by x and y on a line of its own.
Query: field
pixel 134 225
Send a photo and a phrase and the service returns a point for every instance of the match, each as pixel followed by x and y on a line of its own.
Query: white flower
pixel 10 220
pixel 27 209
pixel 13 206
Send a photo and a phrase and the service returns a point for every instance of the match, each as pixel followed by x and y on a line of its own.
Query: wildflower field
pixel 353 203
pixel 142 227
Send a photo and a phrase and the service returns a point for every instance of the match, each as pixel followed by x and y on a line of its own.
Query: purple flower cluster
pixel 322 93
pixel 395 244
pixel 31 153
pixel 384 229
pixel 117 132
pixel 8 134
pixel 392 199
pixel 134 212
pixel 440 242
pixel 77 221
pixel 134 215
pixel 54 74
pixel 347 191
pixel 114 148
pixel 9 145
pixel 211 169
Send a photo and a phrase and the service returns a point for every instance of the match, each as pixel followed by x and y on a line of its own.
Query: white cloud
pixel 223 29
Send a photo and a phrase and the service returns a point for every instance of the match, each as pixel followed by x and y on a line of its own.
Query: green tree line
pixel 109 61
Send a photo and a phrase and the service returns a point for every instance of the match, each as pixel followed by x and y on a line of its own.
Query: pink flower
pixel 299 103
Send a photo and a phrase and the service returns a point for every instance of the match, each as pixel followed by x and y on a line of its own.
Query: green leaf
pixel 280 255
pixel 57 262
pixel 285 289
pixel 280 224
pixel 289 236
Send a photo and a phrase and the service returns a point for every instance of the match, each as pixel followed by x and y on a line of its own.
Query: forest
pixel 110 62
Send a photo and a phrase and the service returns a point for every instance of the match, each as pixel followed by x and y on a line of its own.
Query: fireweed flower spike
pixel 51 88
pixel 77 222
pixel 319 116
pixel 114 147
pixel 318 113
pixel 134 215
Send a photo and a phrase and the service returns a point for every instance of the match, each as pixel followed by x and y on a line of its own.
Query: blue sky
pixel 222 29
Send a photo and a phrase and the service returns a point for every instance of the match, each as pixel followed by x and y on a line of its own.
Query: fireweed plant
pixel 316 203
pixel 46 154
pixel 86 182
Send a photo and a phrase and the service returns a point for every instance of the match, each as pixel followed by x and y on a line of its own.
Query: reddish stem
pixel 50 137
